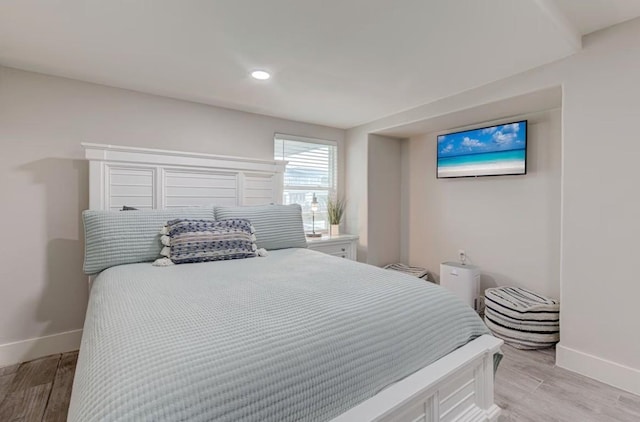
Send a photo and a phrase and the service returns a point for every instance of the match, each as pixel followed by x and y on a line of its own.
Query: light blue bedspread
pixel 297 335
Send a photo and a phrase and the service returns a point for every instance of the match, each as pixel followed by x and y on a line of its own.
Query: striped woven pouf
pixel 407 269
pixel 522 318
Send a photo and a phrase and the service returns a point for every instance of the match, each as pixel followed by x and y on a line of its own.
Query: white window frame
pixel 332 191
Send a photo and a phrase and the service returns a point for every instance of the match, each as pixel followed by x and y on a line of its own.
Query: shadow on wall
pixel 488 281
pixel 62 303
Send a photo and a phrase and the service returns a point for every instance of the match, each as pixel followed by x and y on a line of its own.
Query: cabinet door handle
pixel 343 256
pixel 343 249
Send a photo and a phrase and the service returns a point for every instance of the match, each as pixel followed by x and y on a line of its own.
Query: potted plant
pixel 335 212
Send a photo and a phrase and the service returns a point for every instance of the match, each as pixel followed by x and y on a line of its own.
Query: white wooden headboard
pixel 152 178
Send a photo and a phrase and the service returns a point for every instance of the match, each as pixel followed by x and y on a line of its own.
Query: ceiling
pixel 525 106
pixel 338 63
pixel 591 15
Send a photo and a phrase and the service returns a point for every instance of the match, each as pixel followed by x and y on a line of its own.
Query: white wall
pixel 44 184
pixel 599 201
pixel 600 315
pixel 356 190
pixel 508 225
pixel 384 200
pixel 373 169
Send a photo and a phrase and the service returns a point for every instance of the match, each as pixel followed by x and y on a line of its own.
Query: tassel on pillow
pixel 166 251
pixel 162 262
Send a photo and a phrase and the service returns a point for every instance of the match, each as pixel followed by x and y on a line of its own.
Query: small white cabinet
pixel 342 246
pixel 462 280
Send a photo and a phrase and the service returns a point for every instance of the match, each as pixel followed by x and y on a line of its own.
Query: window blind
pixel 311 169
pixel 310 164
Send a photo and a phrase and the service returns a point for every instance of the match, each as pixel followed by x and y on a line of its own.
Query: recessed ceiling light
pixel 260 74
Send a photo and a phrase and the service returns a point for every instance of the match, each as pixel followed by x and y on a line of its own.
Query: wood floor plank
pixel 25 397
pixel 630 403
pixel 35 372
pixel 6 370
pixel 5 383
pixel 539 367
pixel 25 405
pixel 512 386
pixel 567 403
pixel 561 396
pixel 61 391
pixel 617 414
pixel 543 357
pixel 582 388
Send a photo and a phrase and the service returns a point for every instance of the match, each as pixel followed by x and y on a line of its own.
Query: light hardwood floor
pixel 529 387
pixel 38 390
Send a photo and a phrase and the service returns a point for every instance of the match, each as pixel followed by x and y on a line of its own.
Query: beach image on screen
pixel 489 151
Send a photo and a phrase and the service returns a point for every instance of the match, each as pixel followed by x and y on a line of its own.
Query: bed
pixel 295 335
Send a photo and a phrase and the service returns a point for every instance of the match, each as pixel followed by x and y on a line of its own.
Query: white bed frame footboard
pixel 457 387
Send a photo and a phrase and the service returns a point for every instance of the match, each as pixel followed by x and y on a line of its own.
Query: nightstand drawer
pixel 343 246
pixel 335 249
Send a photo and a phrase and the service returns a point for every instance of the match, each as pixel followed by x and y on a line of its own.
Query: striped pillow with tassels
pixel 188 241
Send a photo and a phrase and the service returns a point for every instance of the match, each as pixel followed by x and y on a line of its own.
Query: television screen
pixel 489 151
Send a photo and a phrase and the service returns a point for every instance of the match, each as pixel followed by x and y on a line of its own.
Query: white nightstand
pixel 343 246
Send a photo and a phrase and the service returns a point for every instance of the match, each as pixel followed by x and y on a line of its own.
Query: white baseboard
pixel 612 373
pixel 25 350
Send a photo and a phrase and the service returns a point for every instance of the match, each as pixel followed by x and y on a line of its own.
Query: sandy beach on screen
pixel 483 169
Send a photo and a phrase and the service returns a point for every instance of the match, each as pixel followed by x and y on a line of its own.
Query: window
pixel 311 169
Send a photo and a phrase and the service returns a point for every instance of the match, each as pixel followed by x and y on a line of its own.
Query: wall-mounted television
pixel 489 151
